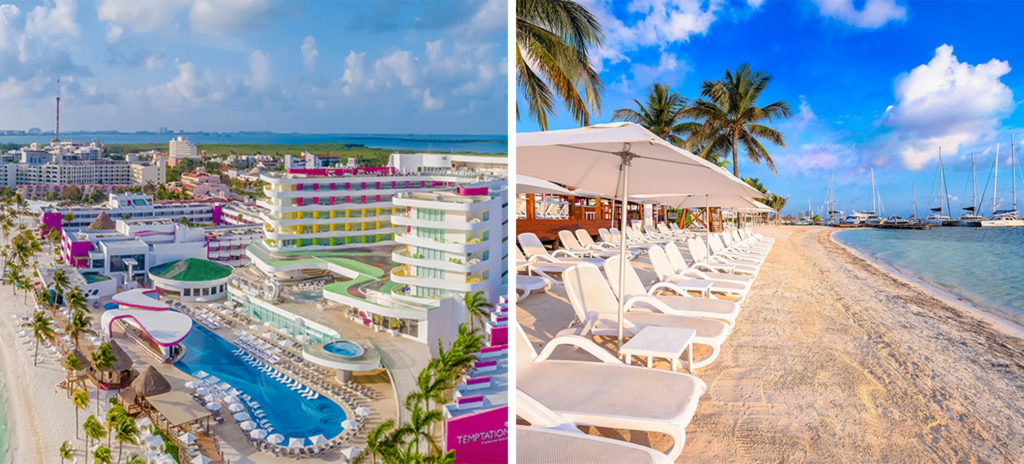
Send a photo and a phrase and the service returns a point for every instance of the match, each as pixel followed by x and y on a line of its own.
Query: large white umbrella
pixel 350 453
pixel 213 406
pixel 275 438
pixel 200 459
pixel 242 417
pixel 236 407
pixel 318 439
pixel 705 202
pixel 527 184
pixel 363 411
pixel 258 433
pixel 349 424
pixel 296 442
pixel 247 425
pixel 604 159
pixel 201 374
pixel 153 442
pixel 201 391
pixel 187 438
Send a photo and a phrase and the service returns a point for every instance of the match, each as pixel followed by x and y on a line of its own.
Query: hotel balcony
pixel 401 275
pixel 451 247
pixel 458 224
pixel 459 265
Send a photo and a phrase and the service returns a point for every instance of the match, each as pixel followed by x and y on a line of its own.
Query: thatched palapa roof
pixel 102 222
pixel 151 383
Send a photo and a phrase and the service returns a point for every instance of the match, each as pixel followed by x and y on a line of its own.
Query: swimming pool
pixel 344 348
pixel 313 296
pixel 289 413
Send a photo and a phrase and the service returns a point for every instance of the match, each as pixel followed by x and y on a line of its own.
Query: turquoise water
pixel 289 413
pixel 442 143
pixel 981 265
pixel 344 348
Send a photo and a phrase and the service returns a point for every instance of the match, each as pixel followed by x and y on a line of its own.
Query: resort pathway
pixel 833 360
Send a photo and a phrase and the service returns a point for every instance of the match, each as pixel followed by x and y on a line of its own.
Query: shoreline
pixel 961 302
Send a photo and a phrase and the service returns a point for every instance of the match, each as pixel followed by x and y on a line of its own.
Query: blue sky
pixel 877 84
pixel 226 65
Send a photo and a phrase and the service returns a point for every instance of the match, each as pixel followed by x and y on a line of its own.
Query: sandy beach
pixel 835 360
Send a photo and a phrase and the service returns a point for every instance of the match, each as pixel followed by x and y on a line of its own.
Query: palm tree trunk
pixel 120 447
pixel 735 155
pixel 35 356
pixel 77 425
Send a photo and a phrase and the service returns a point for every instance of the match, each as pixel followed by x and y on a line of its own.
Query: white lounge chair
pixel 667 273
pixel 573 246
pixel 699 253
pixel 535 251
pixel 679 264
pixel 608 393
pixel 598 310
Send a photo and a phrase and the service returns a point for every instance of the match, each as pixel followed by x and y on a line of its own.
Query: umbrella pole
pixel 707 228
pixel 626 161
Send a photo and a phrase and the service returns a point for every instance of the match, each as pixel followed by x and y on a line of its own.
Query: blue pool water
pixel 981 265
pixel 291 414
pixel 344 348
pixel 308 296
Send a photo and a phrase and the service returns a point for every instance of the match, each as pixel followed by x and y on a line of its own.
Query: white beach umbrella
pixel 242 417
pixel 318 439
pixel 201 375
pixel 224 386
pixel 211 380
pixel 275 438
pixel 604 159
pixel 187 438
pixel 144 423
pixel 296 442
pixel 191 384
pixel 210 398
pixel 363 411
pixel 152 456
pixel 247 425
pixel 350 453
pixel 153 442
pixel 202 391
pixel 527 184
pixel 349 424
pixel 200 459
pixel 236 407
pixel 213 406
pixel 258 434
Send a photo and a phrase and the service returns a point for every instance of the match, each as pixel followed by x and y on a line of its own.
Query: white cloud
pixel 398 65
pixel 59 20
pixel 874 13
pixel 189 88
pixel 430 103
pixel 434 49
pixel 114 33
pixel 309 52
pixel 657 23
pixel 9 26
pixel 755 4
pixel 946 103
pixel 155 62
pixel 259 70
pixel 141 16
pixel 804 114
pixel 217 17
pixel 354 77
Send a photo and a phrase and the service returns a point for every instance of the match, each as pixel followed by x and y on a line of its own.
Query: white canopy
pixel 275 438
pixel 140 298
pixel 350 453
pixel 699 201
pixel 588 158
pixel 527 184
pixel 166 328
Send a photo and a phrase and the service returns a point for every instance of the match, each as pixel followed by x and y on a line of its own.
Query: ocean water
pixel 982 265
pixel 436 143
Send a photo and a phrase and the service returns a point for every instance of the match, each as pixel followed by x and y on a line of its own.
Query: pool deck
pixel 233 443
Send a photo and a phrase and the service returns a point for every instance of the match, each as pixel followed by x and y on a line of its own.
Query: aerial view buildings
pixel 327 290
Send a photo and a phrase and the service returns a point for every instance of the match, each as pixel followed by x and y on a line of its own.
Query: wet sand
pixel 835 360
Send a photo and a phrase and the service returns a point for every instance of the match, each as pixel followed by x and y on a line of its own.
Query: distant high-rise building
pixel 181 147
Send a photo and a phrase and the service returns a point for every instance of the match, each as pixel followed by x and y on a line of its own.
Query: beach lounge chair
pixel 572 245
pixel 551 438
pixel 597 310
pixel 668 274
pixel 535 251
pixel 718 249
pixel 680 265
pixel 608 393
pixel 681 303
pixel 699 253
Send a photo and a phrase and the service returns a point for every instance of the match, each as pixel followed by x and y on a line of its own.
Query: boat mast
pixel 995 184
pixel 942 184
pixel 974 187
pixel 830 201
pixel 1013 172
pixel 874 208
pixel 915 200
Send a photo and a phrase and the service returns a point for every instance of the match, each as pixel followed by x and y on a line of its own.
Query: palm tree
pixel 102 455
pixel 477 307
pixel 65 451
pixel 71 366
pixel 114 416
pixel 60 283
pixel 80 323
pixel 553 38
pixel 777 202
pixel 431 384
pixel 384 442
pixel 420 424
pixel 663 114
pixel 731 118
pixel 94 431
pixel 80 398
pixel 126 431
pixel 134 459
pixel 42 329
pixel 103 358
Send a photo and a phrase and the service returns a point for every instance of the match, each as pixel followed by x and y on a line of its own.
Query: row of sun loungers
pixel 658 400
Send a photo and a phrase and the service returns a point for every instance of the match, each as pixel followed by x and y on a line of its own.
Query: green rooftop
pixel 191 270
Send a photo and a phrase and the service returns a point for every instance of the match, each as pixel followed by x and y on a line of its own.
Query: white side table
pixel 663 342
pixel 696 285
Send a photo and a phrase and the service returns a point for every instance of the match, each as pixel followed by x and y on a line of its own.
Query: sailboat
pixel 1006 217
pixel 834 217
pixel 970 217
pixel 871 217
pixel 940 219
